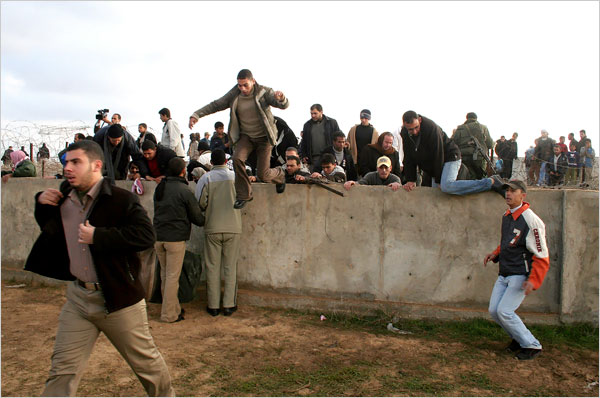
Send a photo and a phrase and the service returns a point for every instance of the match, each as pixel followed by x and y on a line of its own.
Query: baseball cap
pixel 515 184
pixel 384 160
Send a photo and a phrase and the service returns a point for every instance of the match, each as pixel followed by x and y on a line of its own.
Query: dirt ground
pixel 263 352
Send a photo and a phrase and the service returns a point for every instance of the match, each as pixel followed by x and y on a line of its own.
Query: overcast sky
pixel 521 66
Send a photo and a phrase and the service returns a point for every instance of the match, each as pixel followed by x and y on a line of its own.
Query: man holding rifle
pixel 474 141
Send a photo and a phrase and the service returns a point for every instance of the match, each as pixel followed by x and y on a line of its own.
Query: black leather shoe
pixel 527 354
pixel 497 184
pixel 514 346
pixel 180 317
pixel 240 203
pixel 212 311
pixel 229 311
pixel 280 187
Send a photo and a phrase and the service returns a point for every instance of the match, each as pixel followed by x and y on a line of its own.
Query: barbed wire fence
pixel 31 136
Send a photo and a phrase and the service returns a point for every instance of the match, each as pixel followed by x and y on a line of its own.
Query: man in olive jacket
pixel 91 232
pixel 465 136
pixel 251 128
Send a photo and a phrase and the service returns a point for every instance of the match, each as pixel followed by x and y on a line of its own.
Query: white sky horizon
pixel 521 66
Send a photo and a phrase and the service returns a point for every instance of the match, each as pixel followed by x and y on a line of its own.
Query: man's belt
pixel 89 285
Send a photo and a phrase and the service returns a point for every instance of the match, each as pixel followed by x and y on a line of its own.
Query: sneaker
pixel 497 184
pixel 280 187
pixel 526 354
pixel 514 346
pixel 240 203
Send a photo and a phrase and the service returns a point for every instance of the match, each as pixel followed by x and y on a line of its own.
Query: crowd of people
pixel 97 230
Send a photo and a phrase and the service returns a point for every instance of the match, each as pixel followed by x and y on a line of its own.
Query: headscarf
pixel 17 157
pixel 379 145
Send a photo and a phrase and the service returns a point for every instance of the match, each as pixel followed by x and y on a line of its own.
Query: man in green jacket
pixel 222 233
pixel 251 128
pixel 464 137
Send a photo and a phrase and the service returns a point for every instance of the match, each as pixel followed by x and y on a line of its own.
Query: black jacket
pixel 368 161
pixel 163 155
pixel 147 136
pixel 429 150
pixel 347 164
pixel 285 139
pixel 122 229
pixel 175 209
pixel 331 126
pixel 129 148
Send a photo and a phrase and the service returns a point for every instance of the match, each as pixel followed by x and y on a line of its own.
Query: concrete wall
pixel 416 254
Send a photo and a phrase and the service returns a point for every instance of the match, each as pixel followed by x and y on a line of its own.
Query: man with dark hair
pixel 426 145
pixel 220 139
pixel 361 135
pixel 171 137
pixel 317 134
pixel 175 209
pixel 222 231
pixel 6 155
pixel 342 155
pixel 144 135
pixel 118 146
pixel 293 168
pixel 557 166
pixel 543 152
pixel 93 231
pixel 523 263
pixel 587 156
pixel 372 152
pixel 156 161
pixel 511 155
pixel 43 152
pixel 467 136
pixel 383 176
pixel 329 170
pixel 251 128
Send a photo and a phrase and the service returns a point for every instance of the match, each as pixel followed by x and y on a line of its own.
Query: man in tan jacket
pixel 222 232
pixel 251 128
pixel 360 135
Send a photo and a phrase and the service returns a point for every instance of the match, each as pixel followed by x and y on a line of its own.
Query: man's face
pixel 383 171
pixel 220 130
pixel 588 144
pixel 134 169
pixel 514 197
pixel 76 138
pixel 338 143
pixel 561 140
pixel 514 136
pixel 556 150
pixel 544 134
pixel 246 85
pixel 582 134
pixel 163 118
pixel 206 135
pixel 316 115
pixel 149 154
pixel 364 121
pixel 291 166
pixel 80 172
pixel 115 141
pixel 388 140
pixel 328 168
pixel 413 127
pixel 142 129
pixel 115 119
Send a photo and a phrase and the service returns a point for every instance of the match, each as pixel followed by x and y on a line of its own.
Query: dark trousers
pixel 243 149
pixel 507 168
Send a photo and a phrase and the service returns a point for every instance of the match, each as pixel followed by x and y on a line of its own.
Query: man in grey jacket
pixel 383 176
pixel 251 128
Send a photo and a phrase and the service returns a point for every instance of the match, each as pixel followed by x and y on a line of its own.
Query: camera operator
pixel 102 120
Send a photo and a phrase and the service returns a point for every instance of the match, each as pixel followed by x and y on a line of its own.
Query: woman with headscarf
pixel 23 167
pixel 372 152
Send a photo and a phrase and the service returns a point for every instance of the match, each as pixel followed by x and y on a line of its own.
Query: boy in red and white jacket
pixel 523 263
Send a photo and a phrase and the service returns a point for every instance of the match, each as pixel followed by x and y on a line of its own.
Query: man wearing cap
pixel 251 128
pixel 317 134
pixel 383 176
pixel 118 146
pixel 523 263
pixel 468 136
pixel 427 146
pixel 361 135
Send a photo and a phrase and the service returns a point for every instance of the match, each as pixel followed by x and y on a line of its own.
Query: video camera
pixel 101 114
